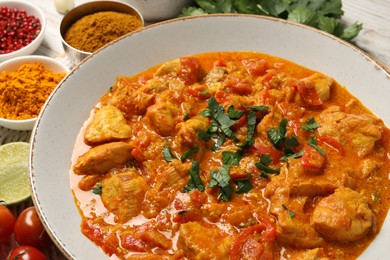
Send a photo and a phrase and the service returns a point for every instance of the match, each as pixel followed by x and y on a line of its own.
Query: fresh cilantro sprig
pixel 322 14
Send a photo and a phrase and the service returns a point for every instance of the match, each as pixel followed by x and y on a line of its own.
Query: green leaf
pixel 243 185
pixel 97 189
pixel 221 180
pixel 231 158
pixel 293 156
pixel 258 108
pixel 327 24
pixel 234 114
pixel 168 154
pixel 203 135
pixel 266 160
pixel 302 15
pixel 191 11
pixel 290 212
pixel 189 153
pixel 351 31
pixel 313 143
pixel 195 181
pixel 310 125
pixel 216 6
pixel 278 136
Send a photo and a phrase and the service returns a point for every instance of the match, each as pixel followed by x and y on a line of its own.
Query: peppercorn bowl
pixel 7 70
pixel 96 31
pixel 22 28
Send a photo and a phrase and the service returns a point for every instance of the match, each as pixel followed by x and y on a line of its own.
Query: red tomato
pixel 29 230
pixel 309 94
pixel 312 161
pixel 255 242
pixel 255 67
pixel 262 149
pixel 331 142
pixel 189 70
pixel 7 222
pixel 26 253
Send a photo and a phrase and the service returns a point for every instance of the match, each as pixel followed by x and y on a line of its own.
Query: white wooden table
pixel 374 39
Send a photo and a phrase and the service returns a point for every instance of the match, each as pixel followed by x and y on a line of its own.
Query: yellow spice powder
pixel 24 91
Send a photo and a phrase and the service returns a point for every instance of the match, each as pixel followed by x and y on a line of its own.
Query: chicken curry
pixel 231 155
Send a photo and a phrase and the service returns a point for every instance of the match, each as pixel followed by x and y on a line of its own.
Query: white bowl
pixel 67 109
pixel 31 9
pixel 11 65
pixel 158 10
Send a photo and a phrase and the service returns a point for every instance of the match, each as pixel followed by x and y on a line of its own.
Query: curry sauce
pixel 231 155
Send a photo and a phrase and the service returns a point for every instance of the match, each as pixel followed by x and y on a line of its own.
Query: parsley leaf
pixel 189 153
pixel 221 180
pixel 278 136
pixel 243 185
pixel 97 189
pixel 168 154
pixel 234 114
pixel 313 143
pixel 263 165
pixel 322 14
pixel 195 181
pixel 290 212
pixel 310 125
pixel 231 158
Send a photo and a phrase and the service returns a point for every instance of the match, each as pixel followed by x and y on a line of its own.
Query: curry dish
pixel 231 155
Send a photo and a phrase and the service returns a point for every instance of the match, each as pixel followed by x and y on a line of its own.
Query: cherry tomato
pixel 7 222
pixel 30 231
pixel 255 242
pixel 26 253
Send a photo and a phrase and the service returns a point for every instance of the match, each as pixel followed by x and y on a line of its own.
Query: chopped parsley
pixel 189 153
pixel 168 154
pixel 313 143
pixel 221 180
pixel 278 136
pixel 310 125
pixel 290 212
pixel 97 189
pixel 263 165
pixel 195 181
pixel 231 158
pixel 243 185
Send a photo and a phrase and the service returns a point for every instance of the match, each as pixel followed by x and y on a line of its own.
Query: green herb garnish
pixel 310 125
pixel 221 180
pixel 97 189
pixel 195 181
pixel 168 154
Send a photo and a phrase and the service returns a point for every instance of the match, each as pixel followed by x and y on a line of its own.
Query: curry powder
pixel 24 91
pixel 96 30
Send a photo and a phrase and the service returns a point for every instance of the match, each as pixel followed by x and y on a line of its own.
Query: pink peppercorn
pixel 17 29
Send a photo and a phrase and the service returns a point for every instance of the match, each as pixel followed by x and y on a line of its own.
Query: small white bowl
pixel 31 9
pixel 12 65
pixel 158 10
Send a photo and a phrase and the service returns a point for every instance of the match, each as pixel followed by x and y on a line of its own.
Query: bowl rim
pixel 91 9
pixel 42 19
pixel 37 200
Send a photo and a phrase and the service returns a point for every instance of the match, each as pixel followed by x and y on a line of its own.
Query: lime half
pixel 14 182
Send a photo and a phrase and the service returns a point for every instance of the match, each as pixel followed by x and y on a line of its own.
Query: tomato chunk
pixel 255 67
pixel 255 242
pixel 189 70
pixel 309 94
pixel 312 161
pixel 332 143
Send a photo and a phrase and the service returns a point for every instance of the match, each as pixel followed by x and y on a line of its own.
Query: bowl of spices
pixel 92 25
pixel 22 28
pixel 25 84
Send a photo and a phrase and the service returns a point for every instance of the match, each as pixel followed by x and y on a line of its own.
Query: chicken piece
pixel 311 254
pixel 100 159
pixel 295 232
pixel 171 67
pixel 130 100
pixel 88 182
pixel 187 133
pixel 161 116
pixel 356 131
pixel 343 216
pixel 107 125
pixel 369 167
pixel 315 89
pixel 123 194
pixel 204 242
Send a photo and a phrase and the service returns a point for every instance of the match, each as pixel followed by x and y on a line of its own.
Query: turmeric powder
pixel 95 30
pixel 24 91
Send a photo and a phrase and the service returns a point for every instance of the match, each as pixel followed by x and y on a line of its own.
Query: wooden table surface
pixel 374 39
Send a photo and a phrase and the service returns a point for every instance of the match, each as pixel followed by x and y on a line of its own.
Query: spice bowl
pixel 23 28
pixel 12 66
pixel 89 33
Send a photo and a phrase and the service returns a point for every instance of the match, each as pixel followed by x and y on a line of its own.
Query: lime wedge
pixel 14 182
